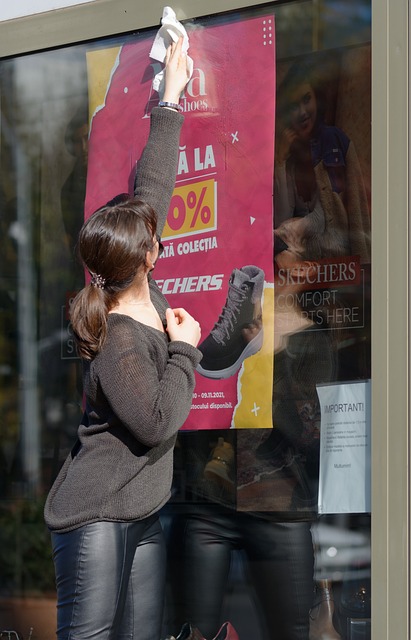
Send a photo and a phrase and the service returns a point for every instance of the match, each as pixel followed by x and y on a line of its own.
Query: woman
pixel 138 359
pixel 321 207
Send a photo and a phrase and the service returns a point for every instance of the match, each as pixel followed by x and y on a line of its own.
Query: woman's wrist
pixel 171 95
pixel 174 106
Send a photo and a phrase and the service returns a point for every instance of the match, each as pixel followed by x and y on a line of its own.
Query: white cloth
pixel 169 32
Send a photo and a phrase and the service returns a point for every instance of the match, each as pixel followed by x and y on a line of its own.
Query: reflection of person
pixel 278 554
pixel 276 546
pixel 304 356
pixel 279 561
pixel 259 494
pixel 139 358
pixel 321 208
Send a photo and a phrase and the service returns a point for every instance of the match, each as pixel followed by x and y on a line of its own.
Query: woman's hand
pixel 285 141
pixel 294 233
pixel 182 326
pixel 176 72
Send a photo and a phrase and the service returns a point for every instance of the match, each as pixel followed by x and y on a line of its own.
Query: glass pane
pixel 268 525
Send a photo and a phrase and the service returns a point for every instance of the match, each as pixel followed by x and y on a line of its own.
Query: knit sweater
pixel 138 389
pixel 339 216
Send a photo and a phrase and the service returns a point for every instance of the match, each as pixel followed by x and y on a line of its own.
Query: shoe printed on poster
pixel 238 332
pixel 239 348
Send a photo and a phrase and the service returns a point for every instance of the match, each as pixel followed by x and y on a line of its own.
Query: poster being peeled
pixel 218 238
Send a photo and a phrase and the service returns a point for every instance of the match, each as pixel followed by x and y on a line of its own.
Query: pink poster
pixel 218 258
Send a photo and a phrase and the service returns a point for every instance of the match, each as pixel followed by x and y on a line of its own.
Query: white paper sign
pixel 345 448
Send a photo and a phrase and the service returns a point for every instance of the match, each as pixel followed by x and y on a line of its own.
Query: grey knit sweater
pixel 138 389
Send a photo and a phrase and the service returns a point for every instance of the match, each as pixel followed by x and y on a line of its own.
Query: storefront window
pixel 267 242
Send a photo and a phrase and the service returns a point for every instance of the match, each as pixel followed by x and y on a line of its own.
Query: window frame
pixel 390 263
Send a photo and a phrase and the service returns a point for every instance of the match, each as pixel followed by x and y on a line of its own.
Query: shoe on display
pixel 227 632
pixel 187 632
pixel 355 607
pixel 238 333
pixel 322 613
pixel 220 467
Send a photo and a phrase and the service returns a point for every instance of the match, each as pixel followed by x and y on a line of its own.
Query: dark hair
pixel 299 73
pixel 112 246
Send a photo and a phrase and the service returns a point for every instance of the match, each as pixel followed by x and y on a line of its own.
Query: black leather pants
pixel 279 562
pixel 110 581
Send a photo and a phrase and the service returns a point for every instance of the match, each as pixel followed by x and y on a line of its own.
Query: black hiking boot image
pixel 238 333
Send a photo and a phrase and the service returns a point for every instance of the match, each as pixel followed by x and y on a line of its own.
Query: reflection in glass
pixel 246 544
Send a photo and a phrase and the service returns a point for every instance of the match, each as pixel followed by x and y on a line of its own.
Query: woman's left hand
pixel 176 72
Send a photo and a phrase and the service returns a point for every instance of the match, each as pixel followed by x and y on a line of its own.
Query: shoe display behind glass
pixel 322 613
pixel 220 467
pixel 355 608
pixel 188 632
pixel 227 632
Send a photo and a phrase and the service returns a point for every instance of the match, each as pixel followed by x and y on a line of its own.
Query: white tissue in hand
pixel 169 32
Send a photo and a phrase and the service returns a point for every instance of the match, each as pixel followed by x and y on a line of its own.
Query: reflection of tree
pixel 19 400
pixel 73 192
pixel 62 404
pixel 25 549
pixel 9 416
pixel 37 386
pixel 64 166
pixel 312 25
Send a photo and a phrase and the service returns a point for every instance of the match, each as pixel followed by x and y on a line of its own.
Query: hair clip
pixel 98 281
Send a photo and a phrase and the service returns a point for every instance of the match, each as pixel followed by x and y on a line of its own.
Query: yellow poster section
pixel 255 381
pixel 100 67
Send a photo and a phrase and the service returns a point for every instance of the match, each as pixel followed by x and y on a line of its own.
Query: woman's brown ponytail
pixel 112 246
pixel 88 315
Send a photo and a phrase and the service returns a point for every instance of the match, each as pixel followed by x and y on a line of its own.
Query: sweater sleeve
pixel 156 172
pixel 152 401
